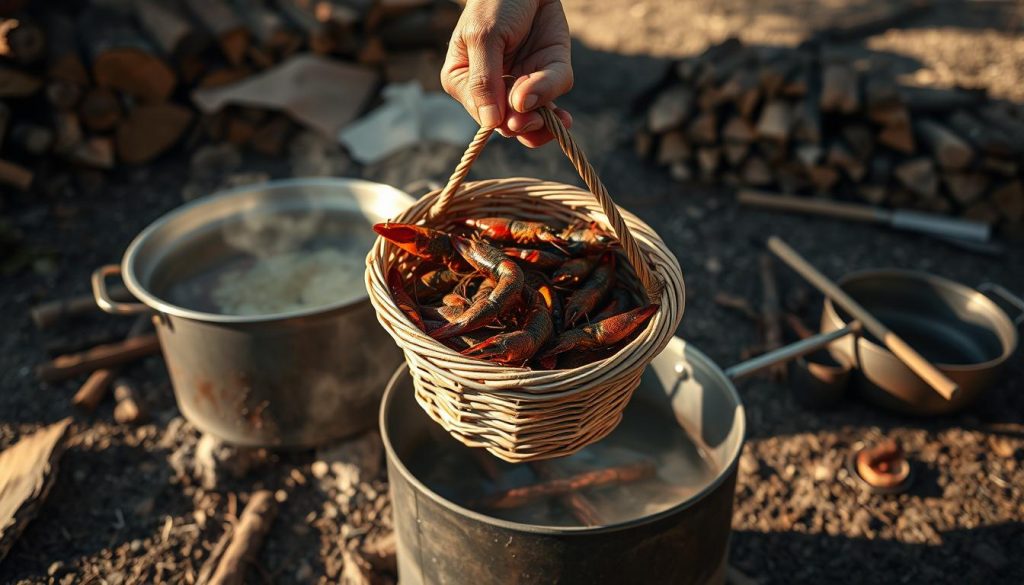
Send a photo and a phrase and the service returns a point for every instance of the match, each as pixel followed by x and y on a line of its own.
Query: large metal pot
pixel 959 329
pixel 293 379
pixel 441 542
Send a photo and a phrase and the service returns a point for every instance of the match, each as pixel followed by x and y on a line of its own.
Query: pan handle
pixel 790 352
pixel 102 295
pixel 990 288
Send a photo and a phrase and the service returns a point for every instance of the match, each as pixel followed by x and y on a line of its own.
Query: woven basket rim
pixel 516 383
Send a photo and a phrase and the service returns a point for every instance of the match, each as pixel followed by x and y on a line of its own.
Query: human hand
pixel 525 39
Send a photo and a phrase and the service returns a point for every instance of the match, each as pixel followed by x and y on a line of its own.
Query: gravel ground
pixel 126 507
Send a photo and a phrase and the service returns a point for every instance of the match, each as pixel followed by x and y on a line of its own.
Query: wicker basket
pixel 519 414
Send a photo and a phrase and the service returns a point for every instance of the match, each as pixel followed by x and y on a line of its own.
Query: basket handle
pixel 652 283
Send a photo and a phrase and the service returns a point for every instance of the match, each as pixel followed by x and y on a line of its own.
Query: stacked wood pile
pixel 101 84
pixel 828 121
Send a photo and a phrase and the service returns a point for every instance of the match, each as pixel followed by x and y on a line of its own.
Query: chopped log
pixel 823 178
pixel 96 152
pixel 991 139
pixel 149 130
pixel 129 409
pixel 69 366
pixel 841 157
pixel 735 152
pixel 743 89
pixel 931 100
pixel 774 74
pixel 949 149
pixel 15 175
pixel 708 158
pixel 719 60
pixel 1000 166
pixel 517 497
pixel 899 137
pixel 239 130
pixel 792 179
pixel 246 539
pixel 918 175
pixel 269 28
pixel 222 22
pixel 680 171
pixel 738 129
pixel 890 115
pixel 1009 200
pixel 67 132
pixel 776 121
pixel 710 98
pixel 839 91
pixel 270 138
pixel 124 60
pixel 18 84
pixel 28 470
pixel 771 313
pixel 982 211
pixel 881 93
pixel 873 194
pixel 1011 126
pixel 756 172
pixel 807 126
pixel 672 147
pixel 64 62
pixel 809 155
pixel 100 109
pixel 5 120
pixel 22 41
pixel 372 52
pixel 670 109
pixel 774 152
pixel 33 139
pixel 226 76
pixel 799 81
pixel 171 29
pixel 703 129
pixel 643 144
pixel 860 140
pixel 63 95
pixel 966 187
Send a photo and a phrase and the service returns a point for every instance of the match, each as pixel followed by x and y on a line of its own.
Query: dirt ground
pixel 125 509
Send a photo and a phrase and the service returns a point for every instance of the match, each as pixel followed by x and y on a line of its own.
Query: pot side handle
pixel 990 288
pixel 102 295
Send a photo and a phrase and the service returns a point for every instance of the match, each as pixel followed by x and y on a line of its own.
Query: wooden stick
pixel 103 356
pixel 91 393
pixel 736 303
pixel 246 539
pixel 771 313
pixel 577 503
pixel 917 363
pixel 51 313
pixel 15 175
pixel 515 497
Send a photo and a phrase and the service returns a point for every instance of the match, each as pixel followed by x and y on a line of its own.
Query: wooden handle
pixel 908 355
pixel 850 211
pixel 652 283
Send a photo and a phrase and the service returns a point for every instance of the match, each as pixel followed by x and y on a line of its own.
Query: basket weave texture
pixel 519 414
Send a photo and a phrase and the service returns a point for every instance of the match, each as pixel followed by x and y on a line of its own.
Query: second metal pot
pixel 959 329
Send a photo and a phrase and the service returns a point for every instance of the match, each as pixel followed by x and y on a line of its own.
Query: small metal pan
pixel 961 330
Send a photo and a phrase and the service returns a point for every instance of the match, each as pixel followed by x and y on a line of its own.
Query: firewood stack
pixel 106 83
pixel 826 121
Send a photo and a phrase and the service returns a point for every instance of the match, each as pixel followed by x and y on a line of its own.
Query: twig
pixel 102 356
pixel 515 497
pixel 580 506
pixel 736 303
pixel 246 539
pixel 95 387
pixel 771 313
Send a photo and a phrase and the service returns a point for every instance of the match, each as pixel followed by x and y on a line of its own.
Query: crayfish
pixel 517 293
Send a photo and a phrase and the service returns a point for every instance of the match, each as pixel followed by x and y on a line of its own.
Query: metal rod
pixel 908 355
pixel 790 352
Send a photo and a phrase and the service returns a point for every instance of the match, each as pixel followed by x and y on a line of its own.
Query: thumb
pixel 541 87
pixel 485 86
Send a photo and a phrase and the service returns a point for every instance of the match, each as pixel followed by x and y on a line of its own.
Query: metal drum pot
pixel 959 329
pixel 441 542
pixel 297 378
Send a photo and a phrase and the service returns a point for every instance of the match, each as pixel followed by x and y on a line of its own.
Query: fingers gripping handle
pixel 652 283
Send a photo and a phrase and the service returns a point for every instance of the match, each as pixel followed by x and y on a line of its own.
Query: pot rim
pixel 960 289
pixel 162 306
pixel 547 529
